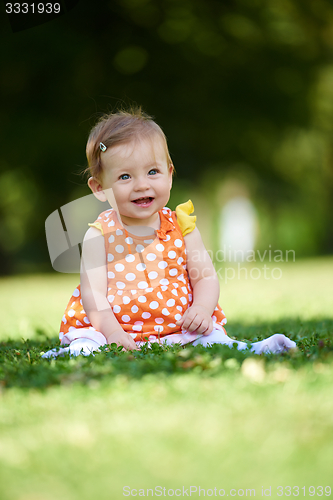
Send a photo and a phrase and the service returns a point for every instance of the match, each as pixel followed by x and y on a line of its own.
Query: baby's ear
pixel 97 188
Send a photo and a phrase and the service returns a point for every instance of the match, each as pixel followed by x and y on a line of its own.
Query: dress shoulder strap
pixel 186 221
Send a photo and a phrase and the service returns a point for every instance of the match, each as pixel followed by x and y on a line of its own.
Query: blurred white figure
pixel 239 223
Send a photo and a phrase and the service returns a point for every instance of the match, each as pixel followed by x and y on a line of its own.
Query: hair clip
pixel 102 147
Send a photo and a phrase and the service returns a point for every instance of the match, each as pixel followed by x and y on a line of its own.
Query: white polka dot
pixel 110 257
pixel 133 292
pixel 170 302
pixel 158 328
pixel 184 290
pixel 165 211
pixel 172 254
pixel 148 290
pixel 71 313
pixel 111 223
pixel 165 312
pixel 175 285
pixel 134 309
pixel 139 248
pixel 116 309
pixel 164 281
pixel 71 328
pixel 172 325
pixel 142 298
pixel 214 318
pixel 137 328
pixel 64 320
pixel 159 321
pixel 141 267
pixel 159 295
pixel 178 243
pixel 174 292
pixel 152 275
pixel 142 284
pixel 119 248
pixel 111 275
pixel 119 267
pixel 146 315
pixel 151 256
pixel 138 323
pixel 119 232
pixel 120 284
pixel 129 240
pixel 167 238
pixel 86 320
pixel 164 288
pixel 173 272
pixel 133 335
pixel 190 297
pixel 178 316
pixel 110 298
pixel 154 304
pixel 183 300
pixel 159 247
pixel 125 318
pixel 126 299
pixel 76 292
pixel 120 292
pixel 179 308
pixel 162 264
pixel 111 239
pixel 130 276
pixel 73 303
pixel 78 323
pixel 129 258
pixel 180 260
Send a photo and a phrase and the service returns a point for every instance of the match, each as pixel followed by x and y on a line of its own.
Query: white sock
pixel 275 344
pixel 83 346
pixel 54 353
pixel 87 346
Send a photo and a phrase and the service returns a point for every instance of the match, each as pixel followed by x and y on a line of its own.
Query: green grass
pixel 84 428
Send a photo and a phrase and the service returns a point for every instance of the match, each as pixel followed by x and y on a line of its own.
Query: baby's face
pixel 139 177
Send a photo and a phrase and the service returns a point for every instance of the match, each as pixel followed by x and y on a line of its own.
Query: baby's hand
pixel 120 337
pixel 196 319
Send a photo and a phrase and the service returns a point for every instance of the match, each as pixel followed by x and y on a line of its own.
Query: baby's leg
pixel 275 344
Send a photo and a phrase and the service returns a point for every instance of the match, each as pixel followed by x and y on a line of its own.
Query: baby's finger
pixel 193 325
pixel 209 328
pixel 182 319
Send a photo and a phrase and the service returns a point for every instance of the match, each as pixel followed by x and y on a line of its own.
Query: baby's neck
pixel 145 228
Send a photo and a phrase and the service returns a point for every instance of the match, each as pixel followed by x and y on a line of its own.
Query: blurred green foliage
pixel 243 90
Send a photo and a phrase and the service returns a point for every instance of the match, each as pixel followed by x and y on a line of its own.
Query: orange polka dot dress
pixel 148 285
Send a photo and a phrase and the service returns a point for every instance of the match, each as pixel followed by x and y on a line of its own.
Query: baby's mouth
pixel 143 201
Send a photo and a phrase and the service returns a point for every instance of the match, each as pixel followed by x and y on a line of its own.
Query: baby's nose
pixel 141 183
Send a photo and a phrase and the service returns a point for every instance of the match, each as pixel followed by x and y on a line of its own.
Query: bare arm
pixel 205 284
pixel 94 290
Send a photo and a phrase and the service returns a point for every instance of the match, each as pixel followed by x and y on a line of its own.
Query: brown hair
pixel 119 128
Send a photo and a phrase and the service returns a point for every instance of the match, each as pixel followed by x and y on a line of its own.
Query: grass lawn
pixel 230 423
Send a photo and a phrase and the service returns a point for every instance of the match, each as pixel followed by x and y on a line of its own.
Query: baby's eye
pixel 153 170
pixel 124 177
